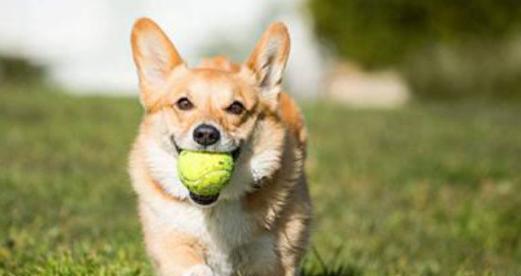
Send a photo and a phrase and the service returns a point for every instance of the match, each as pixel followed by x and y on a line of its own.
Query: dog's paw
pixel 199 270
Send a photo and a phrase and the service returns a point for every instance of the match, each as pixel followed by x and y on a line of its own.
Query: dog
pixel 259 223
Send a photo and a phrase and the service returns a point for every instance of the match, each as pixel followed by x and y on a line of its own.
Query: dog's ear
pixel 268 60
pixel 155 57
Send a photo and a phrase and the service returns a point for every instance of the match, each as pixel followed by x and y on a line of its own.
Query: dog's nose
pixel 206 135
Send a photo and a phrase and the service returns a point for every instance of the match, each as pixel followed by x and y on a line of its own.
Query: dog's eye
pixel 184 104
pixel 235 108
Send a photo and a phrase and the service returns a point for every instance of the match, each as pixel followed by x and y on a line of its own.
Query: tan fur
pixel 184 239
pixel 220 63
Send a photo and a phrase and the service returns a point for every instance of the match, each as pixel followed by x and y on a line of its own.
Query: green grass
pixel 428 189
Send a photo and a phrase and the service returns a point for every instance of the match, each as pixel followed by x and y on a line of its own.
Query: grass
pixel 429 189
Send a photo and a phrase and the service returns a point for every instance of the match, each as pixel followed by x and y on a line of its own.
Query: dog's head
pixel 218 106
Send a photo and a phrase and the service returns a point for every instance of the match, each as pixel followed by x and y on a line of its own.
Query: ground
pixel 431 188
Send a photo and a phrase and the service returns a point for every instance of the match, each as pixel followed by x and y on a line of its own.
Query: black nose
pixel 206 135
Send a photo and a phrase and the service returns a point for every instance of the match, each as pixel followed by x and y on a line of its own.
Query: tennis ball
pixel 204 173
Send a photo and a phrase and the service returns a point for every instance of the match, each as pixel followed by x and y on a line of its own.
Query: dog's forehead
pixel 220 86
pixel 212 83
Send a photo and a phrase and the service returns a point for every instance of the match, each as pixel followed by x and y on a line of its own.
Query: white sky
pixel 86 43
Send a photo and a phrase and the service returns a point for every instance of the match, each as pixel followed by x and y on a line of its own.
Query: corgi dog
pixel 259 223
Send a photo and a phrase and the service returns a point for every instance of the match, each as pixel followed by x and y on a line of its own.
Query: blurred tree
pixel 18 70
pixel 384 32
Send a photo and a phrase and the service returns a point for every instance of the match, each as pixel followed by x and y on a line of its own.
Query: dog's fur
pixel 260 223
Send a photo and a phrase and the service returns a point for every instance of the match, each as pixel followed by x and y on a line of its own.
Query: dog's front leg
pixel 198 270
pixel 176 254
pixel 173 252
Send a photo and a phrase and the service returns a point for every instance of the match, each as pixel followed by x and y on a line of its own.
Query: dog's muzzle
pixel 235 153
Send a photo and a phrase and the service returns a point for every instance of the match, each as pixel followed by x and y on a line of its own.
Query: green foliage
pixel 490 71
pixel 19 71
pixel 430 189
pixel 383 32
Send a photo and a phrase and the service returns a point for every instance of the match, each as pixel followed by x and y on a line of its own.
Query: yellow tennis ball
pixel 204 173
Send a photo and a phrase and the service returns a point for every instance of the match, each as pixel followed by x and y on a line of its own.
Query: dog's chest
pixel 230 236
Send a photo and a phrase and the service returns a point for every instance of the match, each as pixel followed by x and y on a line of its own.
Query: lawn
pixel 432 188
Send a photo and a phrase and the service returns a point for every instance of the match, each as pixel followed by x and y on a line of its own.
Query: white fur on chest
pixel 227 232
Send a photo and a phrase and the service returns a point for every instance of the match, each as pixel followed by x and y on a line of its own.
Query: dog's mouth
pixel 234 153
pixel 203 200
